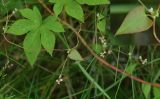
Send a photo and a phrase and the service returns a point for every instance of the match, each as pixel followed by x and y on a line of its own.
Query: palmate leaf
pixel 136 21
pixel 38 32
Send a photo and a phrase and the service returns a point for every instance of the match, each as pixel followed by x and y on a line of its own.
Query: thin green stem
pixel 154 31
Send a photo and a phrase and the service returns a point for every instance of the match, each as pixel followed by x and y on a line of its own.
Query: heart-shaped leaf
pixel 74 55
pixel 136 21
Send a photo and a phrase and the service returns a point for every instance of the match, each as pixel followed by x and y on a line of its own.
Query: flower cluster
pixel 59 80
pixel 102 54
pixel 103 41
pixel 104 45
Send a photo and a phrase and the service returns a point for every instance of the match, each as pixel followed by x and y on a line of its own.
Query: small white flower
pixel 97 14
pixel 140 57
pixel 144 61
pixel 102 54
pixel 13 12
pixel 3 28
pixel 129 53
pixel 103 41
pixel 105 45
pixel 109 52
pixel 68 51
pixel 59 80
pixel 150 10
pixel 15 9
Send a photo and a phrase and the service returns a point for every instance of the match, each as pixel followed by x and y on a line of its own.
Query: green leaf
pixel 97 48
pixel 93 2
pixel 38 17
pixel 27 13
pixel 146 90
pixel 156 92
pixel 101 25
pixel 58 8
pixel 74 55
pixel 52 24
pixel 74 10
pixel 32 46
pixel 39 32
pixel 130 68
pixel 21 27
pixel 135 21
pixel 48 40
pixel 71 7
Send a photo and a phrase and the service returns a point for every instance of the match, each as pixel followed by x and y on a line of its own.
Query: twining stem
pixel 154 25
pixel 154 31
pixel 101 60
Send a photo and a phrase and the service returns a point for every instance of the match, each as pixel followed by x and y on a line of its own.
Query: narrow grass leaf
pixel 93 81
